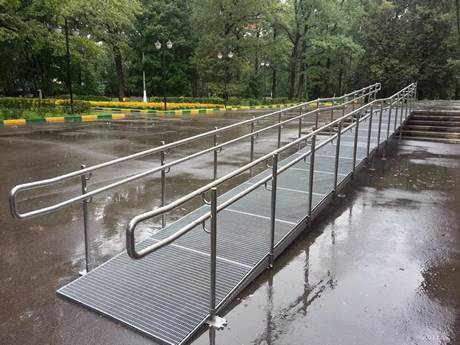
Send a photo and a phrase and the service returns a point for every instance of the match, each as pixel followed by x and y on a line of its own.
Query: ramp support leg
pixel 273 209
pixel 214 320
pixel 84 190
pixel 310 182
pixel 355 147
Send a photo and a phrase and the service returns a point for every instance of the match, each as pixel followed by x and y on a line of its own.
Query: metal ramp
pixel 169 294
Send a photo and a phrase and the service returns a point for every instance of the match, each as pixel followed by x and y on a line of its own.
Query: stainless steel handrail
pixel 406 97
pixel 401 102
pixel 130 237
pixel 86 171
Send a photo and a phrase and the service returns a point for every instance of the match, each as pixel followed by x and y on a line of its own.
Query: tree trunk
pixel 292 72
pixel 329 86
pixel 120 75
pixel 301 83
pixel 457 6
pixel 301 86
pixel 457 89
pixel 340 81
pixel 274 83
pixel 457 86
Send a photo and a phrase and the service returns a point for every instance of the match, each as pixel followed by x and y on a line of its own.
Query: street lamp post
pixel 67 47
pixel 220 56
pixel 158 46
pixel 144 96
pixel 267 65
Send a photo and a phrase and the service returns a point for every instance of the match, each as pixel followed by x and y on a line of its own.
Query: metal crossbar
pixel 403 101
pixel 356 96
pixel 85 173
pixel 356 130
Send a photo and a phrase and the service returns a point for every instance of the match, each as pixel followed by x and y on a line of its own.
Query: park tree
pixel 229 32
pixel 112 22
pixel 411 40
pixel 281 48
pixel 322 44
pixel 168 71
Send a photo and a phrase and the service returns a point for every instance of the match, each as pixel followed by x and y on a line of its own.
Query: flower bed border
pixel 110 117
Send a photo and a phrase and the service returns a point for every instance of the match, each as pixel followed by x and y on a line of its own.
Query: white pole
pixel 144 98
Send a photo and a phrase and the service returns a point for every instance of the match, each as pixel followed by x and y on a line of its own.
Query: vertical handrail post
pixel 213 255
pixel 396 113
pixel 84 190
pixel 332 116
pixel 337 157
pixel 279 130
pixel 355 147
pixel 380 124
pixel 316 119
pixel 215 155
pixel 403 108
pixel 300 125
pixel 410 103
pixel 411 107
pixel 403 102
pixel 310 181
pixel 214 321
pixel 251 153
pixel 408 96
pixel 390 108
pixel 273 209
pixel 163 184
pixel 369 132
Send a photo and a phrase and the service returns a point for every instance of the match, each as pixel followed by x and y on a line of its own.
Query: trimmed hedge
pixel 19 106
pixel 155 105
pixel 86 98
pixel 230 101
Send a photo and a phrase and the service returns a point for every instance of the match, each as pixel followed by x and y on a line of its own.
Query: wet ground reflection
pixel 382 267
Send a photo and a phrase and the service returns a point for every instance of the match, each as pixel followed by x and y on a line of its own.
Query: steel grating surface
pixel 165 295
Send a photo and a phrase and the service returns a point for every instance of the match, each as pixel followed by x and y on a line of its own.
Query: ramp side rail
pixel 401 102
pixel 85 173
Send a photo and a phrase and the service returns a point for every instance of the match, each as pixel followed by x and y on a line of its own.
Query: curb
pixel 109 117
pixel 62 119
pixel 194 111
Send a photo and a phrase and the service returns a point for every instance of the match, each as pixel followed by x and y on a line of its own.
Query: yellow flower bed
pixel 154 105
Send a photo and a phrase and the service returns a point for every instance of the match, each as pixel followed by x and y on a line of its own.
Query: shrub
pixel 209 100
pixel 230 101
pixel 41 106
pixel 86 97
pixel 155 105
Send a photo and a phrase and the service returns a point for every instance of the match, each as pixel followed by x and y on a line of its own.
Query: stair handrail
pixel 130 229
pixel 370 90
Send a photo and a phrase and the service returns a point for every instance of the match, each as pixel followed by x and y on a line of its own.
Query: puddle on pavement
pixel 381 267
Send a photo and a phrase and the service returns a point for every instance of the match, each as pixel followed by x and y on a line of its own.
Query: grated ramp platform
pixel 165 295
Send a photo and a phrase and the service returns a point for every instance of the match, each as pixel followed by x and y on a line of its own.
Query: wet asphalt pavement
pixel 381 266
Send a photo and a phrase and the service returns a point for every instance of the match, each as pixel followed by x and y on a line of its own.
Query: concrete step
pixel 436 112
pixel 431 128
pixel 433 123
pixel 440 140
pixel 435 118
pixel 429 134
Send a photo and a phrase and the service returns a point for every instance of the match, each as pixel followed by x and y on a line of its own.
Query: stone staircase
pixel 433 125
